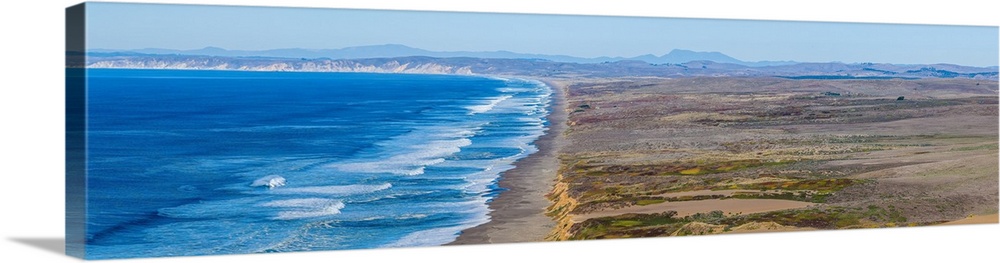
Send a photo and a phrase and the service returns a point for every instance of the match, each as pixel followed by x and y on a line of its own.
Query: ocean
pixel 184 162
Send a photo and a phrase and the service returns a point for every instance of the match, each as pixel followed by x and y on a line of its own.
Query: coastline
pixel 518 214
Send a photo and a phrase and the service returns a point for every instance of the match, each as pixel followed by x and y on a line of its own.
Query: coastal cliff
pixel 559 211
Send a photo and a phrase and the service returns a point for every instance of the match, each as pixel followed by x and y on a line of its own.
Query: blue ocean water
pixel 221 162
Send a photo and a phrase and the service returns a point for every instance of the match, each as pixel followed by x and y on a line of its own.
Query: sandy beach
pixel 975 219
pixel 518 214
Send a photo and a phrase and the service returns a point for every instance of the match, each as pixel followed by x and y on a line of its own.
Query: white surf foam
pixel 497 78
pixel 305 208
pixel 335 189
pixel 271 181
pixel 431 237
pixel 475 209
pixel 411 156
pixel 476 109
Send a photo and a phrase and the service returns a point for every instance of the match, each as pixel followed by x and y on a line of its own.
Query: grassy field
pixel 661 157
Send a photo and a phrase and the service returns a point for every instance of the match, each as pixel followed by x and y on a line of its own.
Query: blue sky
pixel 134 26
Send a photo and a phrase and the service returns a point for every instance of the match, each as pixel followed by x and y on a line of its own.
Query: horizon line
pixel 616 58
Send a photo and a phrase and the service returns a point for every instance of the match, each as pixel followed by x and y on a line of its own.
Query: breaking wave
pixel 489 106
pixel 305 208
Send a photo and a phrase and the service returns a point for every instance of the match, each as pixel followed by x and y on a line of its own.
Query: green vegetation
pixel 581 108
pixel 601 196
pixel 674 169
pixel 794 196
pixel 993 146
pixel 828 218
pixel 628 225
pixel 821 186
pixel 649 201
pixel 703 168
pixel 694 198
pixel 663 224
pixel 807 190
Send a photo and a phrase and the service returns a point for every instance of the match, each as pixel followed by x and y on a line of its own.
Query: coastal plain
pixel 654 156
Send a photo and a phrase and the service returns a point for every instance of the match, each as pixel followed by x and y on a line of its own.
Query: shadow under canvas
pixel 51 244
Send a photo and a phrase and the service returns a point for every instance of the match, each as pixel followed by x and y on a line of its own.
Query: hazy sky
pixel 134 26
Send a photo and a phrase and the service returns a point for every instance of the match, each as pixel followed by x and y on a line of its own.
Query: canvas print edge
pixel 67 145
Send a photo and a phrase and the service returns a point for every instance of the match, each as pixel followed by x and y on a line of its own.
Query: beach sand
pixel 975 219
pixel 518 214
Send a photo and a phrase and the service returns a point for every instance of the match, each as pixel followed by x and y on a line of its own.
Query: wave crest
pixel 487 107
pixel 271 181
pixel 305 208
pixel 335 189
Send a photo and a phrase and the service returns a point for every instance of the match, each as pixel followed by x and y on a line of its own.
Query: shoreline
pixel 518 214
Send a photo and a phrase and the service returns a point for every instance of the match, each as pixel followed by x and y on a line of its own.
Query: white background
pixel 31 144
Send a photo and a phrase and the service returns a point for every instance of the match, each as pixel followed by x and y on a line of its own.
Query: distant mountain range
pixel 675 56
pixel 526 67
